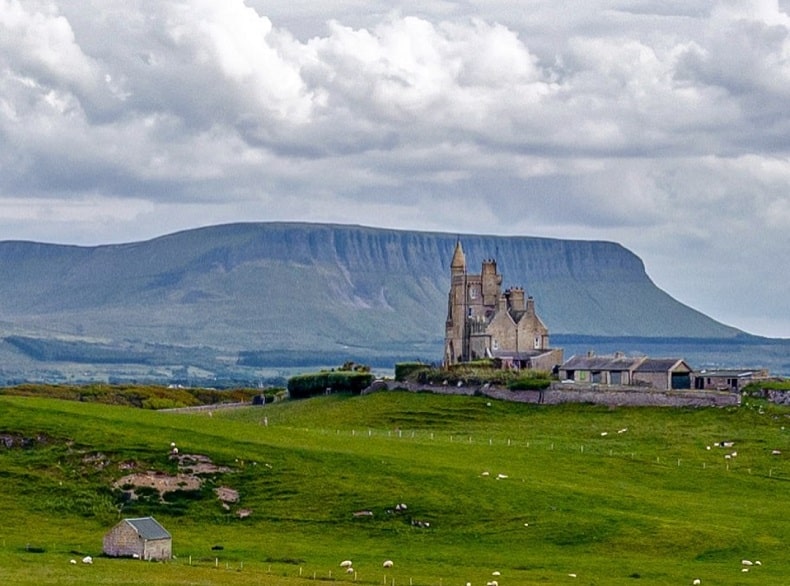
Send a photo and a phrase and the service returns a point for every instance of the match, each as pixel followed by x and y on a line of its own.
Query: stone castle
pixel 485 322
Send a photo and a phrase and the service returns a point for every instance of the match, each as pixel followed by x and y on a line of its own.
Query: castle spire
pixel 458 264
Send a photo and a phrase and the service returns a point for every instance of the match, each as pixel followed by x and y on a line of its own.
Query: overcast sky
pixel 664 126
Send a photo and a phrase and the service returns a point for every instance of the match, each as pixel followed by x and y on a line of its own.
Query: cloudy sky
pixel 664 126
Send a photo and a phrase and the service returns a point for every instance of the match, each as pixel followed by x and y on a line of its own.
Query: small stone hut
pixel 143 538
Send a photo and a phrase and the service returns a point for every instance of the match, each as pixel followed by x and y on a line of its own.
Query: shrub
pixel 310 385
pixel 405 370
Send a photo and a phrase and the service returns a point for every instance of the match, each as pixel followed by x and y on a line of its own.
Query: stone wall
pixel 576 393
pixel 122 541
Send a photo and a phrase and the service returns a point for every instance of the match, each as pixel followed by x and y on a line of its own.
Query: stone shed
pixel 142 538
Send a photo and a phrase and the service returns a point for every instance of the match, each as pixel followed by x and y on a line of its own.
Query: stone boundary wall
pixel 565 393
pixel 778 397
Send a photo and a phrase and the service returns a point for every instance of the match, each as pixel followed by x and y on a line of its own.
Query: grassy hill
pixel 614 496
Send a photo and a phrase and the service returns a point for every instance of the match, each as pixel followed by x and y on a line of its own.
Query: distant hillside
pixel 289 289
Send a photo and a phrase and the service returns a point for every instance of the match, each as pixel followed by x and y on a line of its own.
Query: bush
pixel 529 384
pixel 310 385
pixel 404 370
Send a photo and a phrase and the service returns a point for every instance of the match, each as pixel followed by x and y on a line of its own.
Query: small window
pixel 495 344
pixel 469 312
pixel 472 292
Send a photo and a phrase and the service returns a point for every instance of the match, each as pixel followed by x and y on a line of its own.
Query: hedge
pixel 309 385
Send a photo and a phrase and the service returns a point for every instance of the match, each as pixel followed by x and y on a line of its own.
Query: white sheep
pixel 72 561
pixel 622 430
pixel 87 560
pixel 346 564
pixel 697 582
pixel 492 583
pixel 496 573
pixel 501 476
pixel 387 564
pixel 349 570
pixel 746 562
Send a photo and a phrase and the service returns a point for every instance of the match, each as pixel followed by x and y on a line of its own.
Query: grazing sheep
pixel 387 564
pixel 603 433
pixel 485 473
pixel 346 564
pixel 349 570
pixel 622 430
pixel 746 562
pixel 87 560
pixel 72 561
pixel 776 453
pixel 697 582
pixel 492 583
pixel 501 476
pixel 496 573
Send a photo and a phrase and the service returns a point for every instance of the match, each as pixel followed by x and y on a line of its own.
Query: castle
pixel 485 322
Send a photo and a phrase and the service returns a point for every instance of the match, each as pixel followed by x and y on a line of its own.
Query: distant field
pixel 613 496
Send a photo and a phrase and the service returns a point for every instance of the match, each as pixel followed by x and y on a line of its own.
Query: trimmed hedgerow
pixel 310 385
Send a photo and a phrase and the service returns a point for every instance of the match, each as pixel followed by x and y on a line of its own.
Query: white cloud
pixel 660 125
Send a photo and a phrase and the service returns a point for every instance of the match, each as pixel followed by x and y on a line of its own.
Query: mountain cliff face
pixel 317 288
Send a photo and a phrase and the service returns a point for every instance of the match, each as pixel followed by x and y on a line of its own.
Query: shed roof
pixel 605 363
pixel 662 365
pixel 148 528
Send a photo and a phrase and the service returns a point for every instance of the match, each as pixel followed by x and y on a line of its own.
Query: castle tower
pixel 483 321
pixel 455 326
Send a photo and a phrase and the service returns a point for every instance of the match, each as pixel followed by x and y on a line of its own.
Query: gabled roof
pixel 662 365
pixel 148 528
pixel 606 363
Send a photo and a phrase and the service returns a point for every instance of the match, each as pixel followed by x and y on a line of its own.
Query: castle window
pixel 469 312
pixel 495 344
pixel 472 292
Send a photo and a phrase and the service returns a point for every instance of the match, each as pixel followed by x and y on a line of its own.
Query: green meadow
pixel 571 494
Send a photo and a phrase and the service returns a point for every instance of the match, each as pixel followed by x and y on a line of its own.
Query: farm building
pixel 658 373
pixel 143 538
pixel 727 380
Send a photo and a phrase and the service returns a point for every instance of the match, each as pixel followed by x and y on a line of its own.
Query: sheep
pixel 697 582
pixel 604 433
pixel 492 583
pixel 496 573
pixel 387 564
pixel 87 560
pixel 349 570
pixel 72 561
pixel 746 562
pixel 485 473
pixel 501 476
pixel 776 453
pixel 622 430
pixel 346 564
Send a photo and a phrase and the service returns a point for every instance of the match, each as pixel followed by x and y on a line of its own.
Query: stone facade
pixel 142 538
pixel 485 322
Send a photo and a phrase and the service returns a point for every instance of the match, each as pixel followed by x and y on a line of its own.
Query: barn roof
pixel 602 363
pixel 148 528
pixel 663 365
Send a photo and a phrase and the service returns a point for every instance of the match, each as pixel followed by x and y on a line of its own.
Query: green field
pixel 592 495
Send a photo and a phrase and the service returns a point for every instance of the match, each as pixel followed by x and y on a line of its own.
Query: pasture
pixel 572 494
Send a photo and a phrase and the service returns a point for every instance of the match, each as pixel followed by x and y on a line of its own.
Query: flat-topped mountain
pixel 312 289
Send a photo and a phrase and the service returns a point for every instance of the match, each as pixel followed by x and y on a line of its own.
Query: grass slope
pixel 650 505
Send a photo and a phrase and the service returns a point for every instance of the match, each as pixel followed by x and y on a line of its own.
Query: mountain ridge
pixel 302 287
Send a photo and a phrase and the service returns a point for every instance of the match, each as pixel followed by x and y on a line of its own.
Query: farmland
pixel 574 494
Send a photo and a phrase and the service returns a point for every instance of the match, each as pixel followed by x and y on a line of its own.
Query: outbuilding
pixel 142 538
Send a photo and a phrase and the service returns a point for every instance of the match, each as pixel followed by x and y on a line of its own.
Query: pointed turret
pixel 458 264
